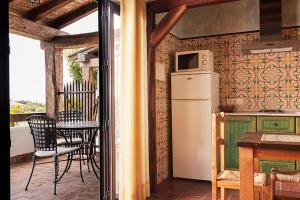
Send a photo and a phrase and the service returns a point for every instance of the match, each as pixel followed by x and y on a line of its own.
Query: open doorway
pixel 44 21
pixel 47 23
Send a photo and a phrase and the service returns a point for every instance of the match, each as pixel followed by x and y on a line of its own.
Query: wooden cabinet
pixel 267 165
pixel 298 132
pixel 234 128
pixel 298 125
pixel 275 125
pixel 298 165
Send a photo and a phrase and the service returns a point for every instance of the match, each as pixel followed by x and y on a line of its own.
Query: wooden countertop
pixel 275 114
pixel 254 140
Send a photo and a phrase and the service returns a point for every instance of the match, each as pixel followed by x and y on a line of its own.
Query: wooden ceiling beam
pixel 44 9
pixel 73 16
pixel 15 11
pixel 166 24
pixel 73 41
pixel 28 28
pixel 160 6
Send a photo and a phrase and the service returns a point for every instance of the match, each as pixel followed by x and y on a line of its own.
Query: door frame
pixel 151 101
pixel 4 102
pixel 114 9
pixel 105 8
pixel 103 98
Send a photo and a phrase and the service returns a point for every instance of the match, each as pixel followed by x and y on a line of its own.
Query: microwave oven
pixel 201 60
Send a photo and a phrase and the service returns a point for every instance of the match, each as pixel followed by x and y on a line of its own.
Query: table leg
pixel 246 173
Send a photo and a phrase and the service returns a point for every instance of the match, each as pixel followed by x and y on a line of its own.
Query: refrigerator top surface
pixel 194 72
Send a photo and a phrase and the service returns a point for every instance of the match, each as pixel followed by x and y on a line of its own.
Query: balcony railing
pixel 22 117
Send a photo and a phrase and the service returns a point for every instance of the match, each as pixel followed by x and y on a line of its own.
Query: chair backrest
pixel 96 110
pixel 43 130
pixel 218 149
pixel 69 116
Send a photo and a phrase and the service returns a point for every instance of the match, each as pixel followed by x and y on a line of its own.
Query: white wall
pixel 21 141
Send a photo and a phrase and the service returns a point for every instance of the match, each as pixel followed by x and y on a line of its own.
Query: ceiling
pixel 53 13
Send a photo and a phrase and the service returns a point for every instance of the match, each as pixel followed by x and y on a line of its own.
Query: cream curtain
pixel 134 161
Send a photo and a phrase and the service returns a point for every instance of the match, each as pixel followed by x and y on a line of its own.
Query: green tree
pixel 74 66
pixel 16 109
pixel 23 107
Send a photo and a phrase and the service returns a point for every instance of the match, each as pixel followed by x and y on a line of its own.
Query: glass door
pixel 109 84
pixel 115 97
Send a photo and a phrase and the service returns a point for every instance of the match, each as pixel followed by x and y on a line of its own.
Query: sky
pixel 27 62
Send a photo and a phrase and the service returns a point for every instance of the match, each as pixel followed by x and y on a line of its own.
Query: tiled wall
pixel 270 81
pixel 165 63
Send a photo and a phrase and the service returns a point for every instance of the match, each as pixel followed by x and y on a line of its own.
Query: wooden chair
pixel 285 176
pixel 230 179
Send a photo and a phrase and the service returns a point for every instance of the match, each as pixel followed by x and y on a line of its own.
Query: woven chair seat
pixel 60 151
pixel 260 179
pixel 287 175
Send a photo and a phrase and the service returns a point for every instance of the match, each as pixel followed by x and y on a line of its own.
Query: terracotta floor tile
pixel 41 185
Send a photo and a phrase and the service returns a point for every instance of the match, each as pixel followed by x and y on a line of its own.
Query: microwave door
pixel 188 61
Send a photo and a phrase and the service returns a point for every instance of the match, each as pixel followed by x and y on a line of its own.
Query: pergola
pixel 43 21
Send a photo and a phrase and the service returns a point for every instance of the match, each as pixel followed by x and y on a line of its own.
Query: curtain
pixel 134 157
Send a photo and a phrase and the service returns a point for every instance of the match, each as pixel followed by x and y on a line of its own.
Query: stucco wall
pixel 21 141
pixel 232 17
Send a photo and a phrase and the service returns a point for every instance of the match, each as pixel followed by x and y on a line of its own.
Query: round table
pixel 83 125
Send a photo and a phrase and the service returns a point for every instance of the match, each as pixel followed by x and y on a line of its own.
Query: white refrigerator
pixel 195 95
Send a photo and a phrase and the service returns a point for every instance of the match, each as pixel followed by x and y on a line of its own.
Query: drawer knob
pixel 276 124
pixel 189 78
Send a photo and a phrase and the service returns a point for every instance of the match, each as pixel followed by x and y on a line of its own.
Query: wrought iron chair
pixel 69 136
pixel 73 138
pixel 43 130
pixel 95 117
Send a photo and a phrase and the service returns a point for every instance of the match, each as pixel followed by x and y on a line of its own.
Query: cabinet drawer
pixel 298 165
pixel 267 165
pixel 298 125
pixel 275 124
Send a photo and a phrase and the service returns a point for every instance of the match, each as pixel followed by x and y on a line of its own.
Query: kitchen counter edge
pixel 271 114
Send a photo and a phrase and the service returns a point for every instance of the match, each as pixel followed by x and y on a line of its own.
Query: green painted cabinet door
pixel 235 126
